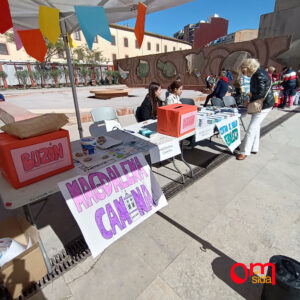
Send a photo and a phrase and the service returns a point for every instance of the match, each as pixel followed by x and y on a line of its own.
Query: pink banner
pixel 18 41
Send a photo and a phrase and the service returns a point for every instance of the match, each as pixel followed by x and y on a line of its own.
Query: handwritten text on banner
pixel 109 202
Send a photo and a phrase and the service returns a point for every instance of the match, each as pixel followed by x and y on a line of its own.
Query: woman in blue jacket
pixel 220 89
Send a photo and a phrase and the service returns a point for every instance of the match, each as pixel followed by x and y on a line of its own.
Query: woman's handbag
pixel 255 107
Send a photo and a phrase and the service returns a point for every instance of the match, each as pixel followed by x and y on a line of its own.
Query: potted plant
pixel 22 77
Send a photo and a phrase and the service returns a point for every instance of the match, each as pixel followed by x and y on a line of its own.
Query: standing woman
pixel 175 91
pixel 260 88
pixel 148 109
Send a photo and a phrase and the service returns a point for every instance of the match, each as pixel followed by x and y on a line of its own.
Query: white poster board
pixel 111 201
pixel 164 151
pixel 230 132
pixel 203 133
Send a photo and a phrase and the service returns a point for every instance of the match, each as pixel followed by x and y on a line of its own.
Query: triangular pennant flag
pixel 92 21
pixel 139 28
pixel 49 23
pixel 5 17
pixel 34 43
pixel 18 41
pixel 71 42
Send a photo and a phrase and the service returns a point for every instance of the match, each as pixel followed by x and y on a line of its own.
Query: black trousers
pixel 208 98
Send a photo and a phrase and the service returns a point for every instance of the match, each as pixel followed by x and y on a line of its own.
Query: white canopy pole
pixel 71 76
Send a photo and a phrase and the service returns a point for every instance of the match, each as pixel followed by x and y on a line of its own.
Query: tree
pixel 23 76
pixel 52 50
pixel 3 75
pixel 84 70
pixel 55 74
pixel 84 55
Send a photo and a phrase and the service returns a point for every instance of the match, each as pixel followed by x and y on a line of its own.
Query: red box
pixel 176 119
pixel 24 162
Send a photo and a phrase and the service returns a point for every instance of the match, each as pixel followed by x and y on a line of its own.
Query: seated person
pixel 220 89
pixel 2 97
pixel 148 109
pixel 175 91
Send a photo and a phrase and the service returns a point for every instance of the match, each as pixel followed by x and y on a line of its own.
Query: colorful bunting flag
pixel 18 41
pixel 49 23
pixel 71 42
pixel 5 17
pixel 139 28
pixel 92 21
pixel 34 43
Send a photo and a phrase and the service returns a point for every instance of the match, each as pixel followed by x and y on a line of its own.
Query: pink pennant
pixel 18 41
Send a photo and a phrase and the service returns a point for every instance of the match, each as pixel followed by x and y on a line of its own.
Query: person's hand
pixel 250 95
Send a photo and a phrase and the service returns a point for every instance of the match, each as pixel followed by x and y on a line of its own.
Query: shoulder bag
pixel 255 107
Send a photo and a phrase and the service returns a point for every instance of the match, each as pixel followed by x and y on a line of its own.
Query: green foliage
pixel 85 71
pixel 55 73
pixel 22 76
pixel 84 55
pixel 3 74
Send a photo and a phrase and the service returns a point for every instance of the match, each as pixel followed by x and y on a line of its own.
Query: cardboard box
pixel 28 267
pixel 24 162
pixel 176 119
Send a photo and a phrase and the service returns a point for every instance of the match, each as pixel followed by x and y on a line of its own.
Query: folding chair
pixel 229 101
pixel 188 101
pixel 103 114
pixel 217 102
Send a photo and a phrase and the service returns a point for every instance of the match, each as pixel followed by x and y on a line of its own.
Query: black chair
pixel 229 101
pixel 217 102
pixel 188 101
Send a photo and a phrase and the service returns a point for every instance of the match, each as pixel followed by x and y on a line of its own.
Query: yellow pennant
pixel 49 23
pixel 71 42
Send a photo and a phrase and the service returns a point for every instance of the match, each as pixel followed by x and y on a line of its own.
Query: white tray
pixel 110 142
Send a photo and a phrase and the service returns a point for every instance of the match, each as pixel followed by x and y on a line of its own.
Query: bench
pixel 110 93
pixel 10 113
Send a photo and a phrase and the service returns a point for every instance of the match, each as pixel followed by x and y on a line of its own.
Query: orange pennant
pixel 139 28
pixel 34 43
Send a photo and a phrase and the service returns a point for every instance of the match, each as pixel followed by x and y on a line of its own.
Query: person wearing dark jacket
pixel 220 89
pixel 260 87
pixel 148 109
pixel 290 87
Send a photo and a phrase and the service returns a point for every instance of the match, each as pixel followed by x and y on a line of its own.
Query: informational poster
pixel 203 133
pixel 164 151
pixel 111 201
pixel 230 132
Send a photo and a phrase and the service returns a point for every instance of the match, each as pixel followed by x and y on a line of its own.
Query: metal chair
pixel 103 114
pixel 217 102
pixel 97 129
pixel 188 101
pixel 229 101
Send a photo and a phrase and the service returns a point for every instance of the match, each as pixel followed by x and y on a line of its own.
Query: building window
pixel 136 44
pixel 157 47
pixel 166 48
pixel 126 42
pixel 114 57
pixel 77 36
pixel 126 56
pixel 3 49
pixel 149 46
pixel 174 49
pixel 96 39
pixel 113 40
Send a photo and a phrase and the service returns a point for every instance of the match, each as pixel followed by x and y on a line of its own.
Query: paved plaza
pixel 241 211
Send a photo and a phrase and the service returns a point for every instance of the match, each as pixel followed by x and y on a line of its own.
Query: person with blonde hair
pixel 260 88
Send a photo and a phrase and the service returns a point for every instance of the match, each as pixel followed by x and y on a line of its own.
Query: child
pixel 175 91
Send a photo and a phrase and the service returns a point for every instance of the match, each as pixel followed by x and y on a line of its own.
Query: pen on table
pixel 130 131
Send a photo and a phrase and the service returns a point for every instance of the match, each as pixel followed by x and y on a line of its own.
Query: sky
pixel 240 13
